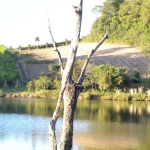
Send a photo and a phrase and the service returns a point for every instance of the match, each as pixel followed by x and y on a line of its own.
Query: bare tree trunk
pixel 66 78
pixel 68 117
pixel 71 93
pixel 69 90
pixel 70 97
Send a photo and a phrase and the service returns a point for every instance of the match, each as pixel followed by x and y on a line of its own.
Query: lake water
pixel 98 125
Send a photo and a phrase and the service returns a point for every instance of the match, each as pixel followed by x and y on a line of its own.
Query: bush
pixel 121 96
pixel 42 83
pixel 44 93
pixel 106 96
pixel 48 93
pixel 85 96
pixel 109 77
pixel 138 97
pixel 31 86
pixel 56 84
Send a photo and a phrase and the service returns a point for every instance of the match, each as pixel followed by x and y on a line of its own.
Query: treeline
pixel 43 46
pixel 125 21
pixel 8 70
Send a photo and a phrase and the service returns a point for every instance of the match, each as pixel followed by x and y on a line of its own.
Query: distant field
pixel 117 55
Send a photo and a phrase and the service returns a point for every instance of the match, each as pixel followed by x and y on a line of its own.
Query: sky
pixel 21 21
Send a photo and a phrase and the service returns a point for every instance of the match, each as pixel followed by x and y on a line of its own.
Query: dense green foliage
pixel 108 77
pixel 125 21
pixel 42 83
pixel 8 70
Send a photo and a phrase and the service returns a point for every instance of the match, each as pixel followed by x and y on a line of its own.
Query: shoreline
pixel 112 96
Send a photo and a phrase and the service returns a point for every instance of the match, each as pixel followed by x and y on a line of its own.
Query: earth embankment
pixel 117 55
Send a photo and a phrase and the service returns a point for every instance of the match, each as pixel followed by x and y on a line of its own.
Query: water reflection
pixel 98 125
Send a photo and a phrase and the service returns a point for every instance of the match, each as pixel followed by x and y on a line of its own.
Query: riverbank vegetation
pixel 103 82
pixel 126 22
pixel 8 70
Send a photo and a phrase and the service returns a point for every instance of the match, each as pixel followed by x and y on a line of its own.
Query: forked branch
pixel 74 43
pixel 65 73
pixel 82 74
pixel 52 124
pixel 55 48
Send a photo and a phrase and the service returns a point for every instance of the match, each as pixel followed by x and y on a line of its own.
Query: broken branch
pixel 55 48
pixel 82 74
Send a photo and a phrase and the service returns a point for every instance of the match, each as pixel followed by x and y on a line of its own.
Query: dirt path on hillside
pixel 117 55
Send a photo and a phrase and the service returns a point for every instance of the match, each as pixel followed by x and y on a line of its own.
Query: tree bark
pixel 55 47
pixel 68 117
pixel 70 97
pixel 71 93
pixel 66 78
pixel 69 90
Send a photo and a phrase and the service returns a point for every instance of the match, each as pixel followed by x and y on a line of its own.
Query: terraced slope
pixel 117 55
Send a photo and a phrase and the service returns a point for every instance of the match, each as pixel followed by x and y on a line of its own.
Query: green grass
pixel 14 90
pixel 22 92
pixel 38 61
pixel 83 95
pixel 24 54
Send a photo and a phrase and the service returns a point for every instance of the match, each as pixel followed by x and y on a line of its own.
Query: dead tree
pixel 69 90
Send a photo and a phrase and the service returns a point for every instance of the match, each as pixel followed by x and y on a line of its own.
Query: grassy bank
pixel 114 96
pixel 88 95
pixel 23 93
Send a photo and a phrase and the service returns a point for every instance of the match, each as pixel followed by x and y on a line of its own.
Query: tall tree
pixel 37 39
pixel 69 89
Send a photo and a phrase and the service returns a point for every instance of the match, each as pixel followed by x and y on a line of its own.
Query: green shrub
pixel 56 84
pixel 123 97
pixel 138 97
pixel 42 83
pixel 44 93
pixel 85 96
pixel 109 77
pixel 106 96
pixel 48 93
pixel 31 86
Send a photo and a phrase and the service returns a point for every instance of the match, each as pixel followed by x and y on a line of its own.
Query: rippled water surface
pixel 98 125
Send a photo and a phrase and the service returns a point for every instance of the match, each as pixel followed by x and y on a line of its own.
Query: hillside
pixel 117 55
pixel 125 21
